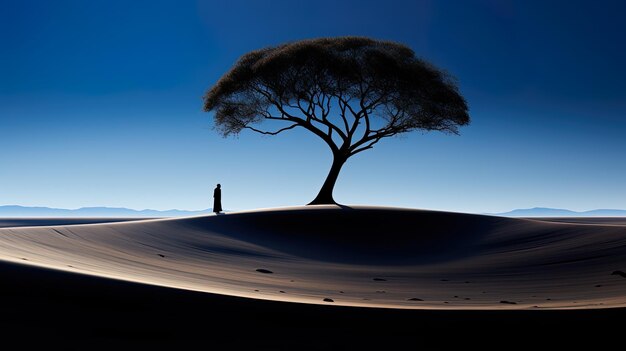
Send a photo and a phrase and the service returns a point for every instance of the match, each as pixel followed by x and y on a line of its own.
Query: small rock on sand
pixel 380 279
pixel 328 300
pixel 261 270
pixel 415 299
pixel 508 302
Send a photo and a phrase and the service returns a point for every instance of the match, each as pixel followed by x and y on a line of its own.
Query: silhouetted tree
pixel 349 91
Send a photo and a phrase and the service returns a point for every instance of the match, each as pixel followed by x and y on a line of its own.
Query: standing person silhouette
pixel 217 199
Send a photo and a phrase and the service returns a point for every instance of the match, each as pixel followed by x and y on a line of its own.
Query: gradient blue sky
pixel 101 105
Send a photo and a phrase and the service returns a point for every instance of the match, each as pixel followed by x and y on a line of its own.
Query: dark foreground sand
pixel 368 275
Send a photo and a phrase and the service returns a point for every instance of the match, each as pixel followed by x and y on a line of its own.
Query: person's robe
pixel 217 200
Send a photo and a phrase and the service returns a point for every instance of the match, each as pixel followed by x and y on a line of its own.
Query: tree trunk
pixel 325 196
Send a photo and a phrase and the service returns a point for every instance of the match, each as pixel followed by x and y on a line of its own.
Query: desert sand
pixel 360 277
pixel 348 256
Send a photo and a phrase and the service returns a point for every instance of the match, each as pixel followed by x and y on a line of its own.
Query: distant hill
pixel 556 212
pixel 22 211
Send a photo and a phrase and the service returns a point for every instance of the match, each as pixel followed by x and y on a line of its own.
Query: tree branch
pixel 303 123
pixel 374 138
pixel 373 141
pixel 368 146
pixel 271 133
pixel 311 116
pixel 345 103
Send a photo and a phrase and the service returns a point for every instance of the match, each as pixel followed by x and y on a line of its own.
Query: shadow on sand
pixel 357 234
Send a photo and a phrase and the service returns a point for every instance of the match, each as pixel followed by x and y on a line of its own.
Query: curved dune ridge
pixel 351 256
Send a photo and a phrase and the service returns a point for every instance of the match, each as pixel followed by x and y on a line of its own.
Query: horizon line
pixel 209 209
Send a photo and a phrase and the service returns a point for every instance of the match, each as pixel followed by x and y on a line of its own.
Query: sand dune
pixel 359 256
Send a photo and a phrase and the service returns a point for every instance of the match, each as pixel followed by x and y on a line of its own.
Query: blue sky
pixel 101 105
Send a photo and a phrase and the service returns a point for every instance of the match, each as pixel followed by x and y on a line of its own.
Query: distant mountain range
pixel 13 211
pixel 556 212
pixel 22 211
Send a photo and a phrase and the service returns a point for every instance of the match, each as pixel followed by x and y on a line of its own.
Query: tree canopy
pixel 349 91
